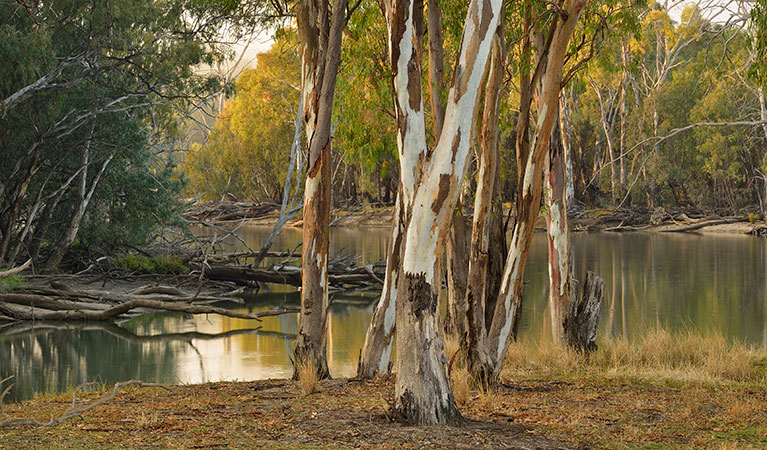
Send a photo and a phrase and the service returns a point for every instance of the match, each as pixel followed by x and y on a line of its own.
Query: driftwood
pixel 583 318
pixel 39 328
pixel 227 210
pixel 16 270
pixel 705 223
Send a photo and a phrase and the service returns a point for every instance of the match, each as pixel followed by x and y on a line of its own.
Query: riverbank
pixel 667 391
pixel 614 220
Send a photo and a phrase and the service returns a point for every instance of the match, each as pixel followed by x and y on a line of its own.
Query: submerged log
pixel 583 319
pixel 359 276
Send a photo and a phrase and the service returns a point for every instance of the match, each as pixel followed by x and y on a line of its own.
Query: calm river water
pixel 675 281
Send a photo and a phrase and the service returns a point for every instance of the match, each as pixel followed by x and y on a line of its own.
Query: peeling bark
pixel 374 359
pixel 560 254
pixel 479 275
pixel 405 43
pixel 423 394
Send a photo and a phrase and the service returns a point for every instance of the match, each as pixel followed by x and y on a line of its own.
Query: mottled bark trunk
pixel 423 394
pixel 457 269
pixel 508 306
pixel 480 274
pixel 560 255
pixel 320 34
pixel 405 42
pixel 374 359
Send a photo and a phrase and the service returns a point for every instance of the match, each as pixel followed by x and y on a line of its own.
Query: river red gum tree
pixel 320 33
pixel 423 394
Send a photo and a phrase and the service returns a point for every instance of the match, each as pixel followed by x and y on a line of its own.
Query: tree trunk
pixel 423 394
pixel 411 147
pixel 320 35
pixel 84 199
pixel 583 318
pixel 480 275
pixel 565 131
pixel 560 255
pixel 376 351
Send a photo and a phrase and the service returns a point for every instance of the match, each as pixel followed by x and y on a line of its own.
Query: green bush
pixel 142 263
pixel 11 283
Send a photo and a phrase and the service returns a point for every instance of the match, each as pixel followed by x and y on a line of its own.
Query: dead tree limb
pixel 15 270
pixel 74 411
pixel 703 224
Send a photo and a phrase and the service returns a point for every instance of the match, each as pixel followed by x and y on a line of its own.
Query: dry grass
pixel 659 355
pixel 308 378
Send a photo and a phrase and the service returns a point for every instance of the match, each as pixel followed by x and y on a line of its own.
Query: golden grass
pixel 308 378
pixel 660 355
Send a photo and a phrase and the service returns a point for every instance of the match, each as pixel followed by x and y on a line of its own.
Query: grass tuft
pixel 11 283
pixel 143 263
pixel 308 378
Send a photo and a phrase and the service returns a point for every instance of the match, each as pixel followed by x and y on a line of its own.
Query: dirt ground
pixel 594 412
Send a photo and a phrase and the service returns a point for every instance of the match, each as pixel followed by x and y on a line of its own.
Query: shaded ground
pixel 535 412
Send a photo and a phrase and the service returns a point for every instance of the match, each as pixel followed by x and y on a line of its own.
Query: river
pixel 705 283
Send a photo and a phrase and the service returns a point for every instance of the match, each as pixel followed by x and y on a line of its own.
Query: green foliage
pixel 141 263
pixel 106 82
pixel 247 151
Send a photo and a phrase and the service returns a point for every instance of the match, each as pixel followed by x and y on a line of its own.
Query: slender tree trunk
pixel 83 200
pixel 320 35
pixel 480 276
pixel 565 130
pixel 423 394
pixel 560 255
pixel 376 351
pixel 508 306
pixel 15 204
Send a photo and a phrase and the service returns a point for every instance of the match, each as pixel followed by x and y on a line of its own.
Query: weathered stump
pixel 583 318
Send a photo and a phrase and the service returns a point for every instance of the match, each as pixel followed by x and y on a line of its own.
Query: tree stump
pixel 583 318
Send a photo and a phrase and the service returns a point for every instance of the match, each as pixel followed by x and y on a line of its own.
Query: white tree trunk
pixel 423 394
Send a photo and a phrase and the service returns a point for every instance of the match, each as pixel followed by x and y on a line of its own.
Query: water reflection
pixel 701 282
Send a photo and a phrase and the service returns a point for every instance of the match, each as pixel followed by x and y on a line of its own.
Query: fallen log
pixel 23 312
pixel 362 275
